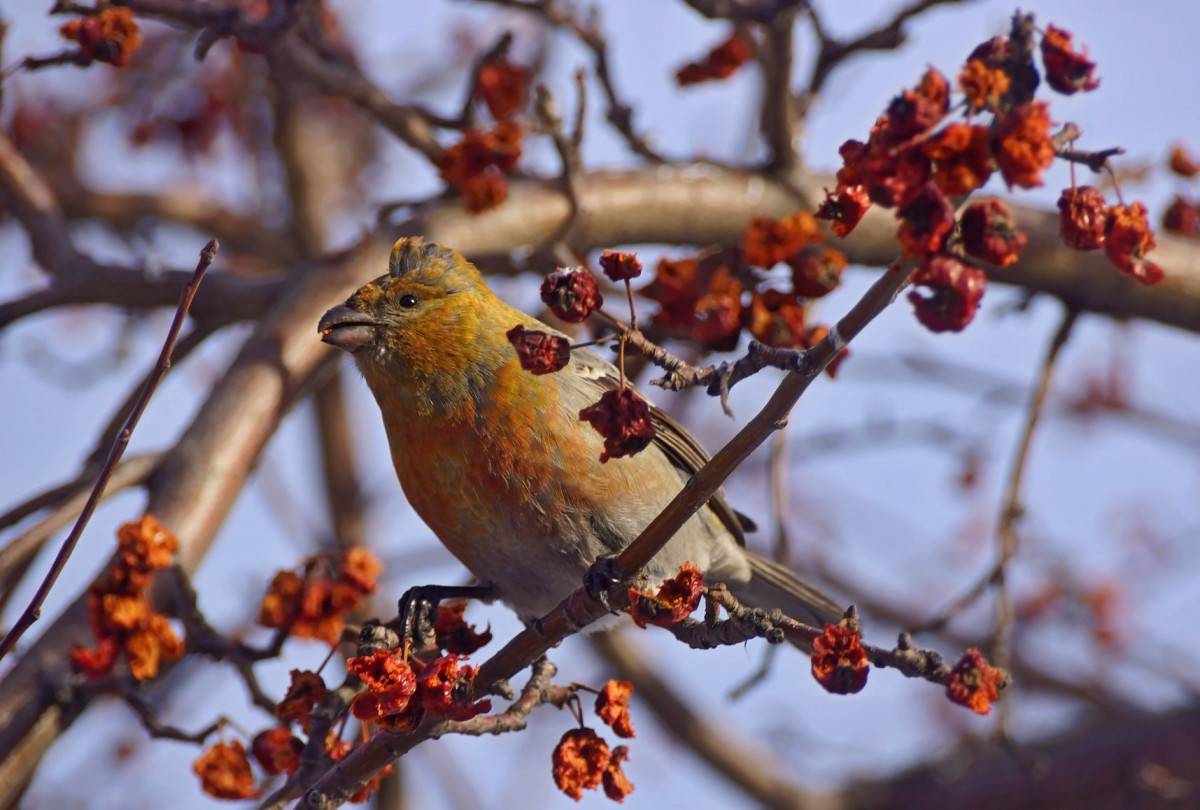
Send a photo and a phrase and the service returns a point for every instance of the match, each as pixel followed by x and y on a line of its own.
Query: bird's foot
pixel 418 611
pixel 600 578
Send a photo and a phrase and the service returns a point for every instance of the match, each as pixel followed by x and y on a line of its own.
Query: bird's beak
pixel 346 328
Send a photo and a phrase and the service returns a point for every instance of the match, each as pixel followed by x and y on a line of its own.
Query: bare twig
pixel 745 623
pixel 1064 149
pixel 550 120
pixel 203 639
pixel 34 609
pixel 159 730
pixel 619 114
pixel 406 122
pixel 833 52
pixel 1013 508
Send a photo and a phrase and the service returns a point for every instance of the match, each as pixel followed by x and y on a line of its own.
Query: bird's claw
pixel 601 576
pixel 418 610
pixel 417 614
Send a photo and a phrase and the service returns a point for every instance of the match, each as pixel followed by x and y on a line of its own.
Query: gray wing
pixel 679 446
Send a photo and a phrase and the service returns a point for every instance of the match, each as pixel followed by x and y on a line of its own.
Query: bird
pixel 499 465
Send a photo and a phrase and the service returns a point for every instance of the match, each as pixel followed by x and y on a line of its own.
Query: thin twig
pixel 619 114
pixel 34 609
pixel 1012 510
pixel 159 730
pixel 832 52
pixel 745 623
pixel 1013 507
pixel 550 120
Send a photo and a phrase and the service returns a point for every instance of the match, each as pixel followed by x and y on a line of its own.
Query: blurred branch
pixel 1151 760
pixel 339 466
pixel 308 193
pixel 1013 509
pixel 78 279
pixel 739 759
pixel 227 297
pixel 683 206
pixel 761 11
pixel 619 113
pixel 203 639
pixel 778 112
pixel 551 122
pixel 125 210
pixel 32 202
pixel 406 122
pixel 832 52
pixel 159 730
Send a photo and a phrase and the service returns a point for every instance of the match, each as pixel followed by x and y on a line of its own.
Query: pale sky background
pixel 888 517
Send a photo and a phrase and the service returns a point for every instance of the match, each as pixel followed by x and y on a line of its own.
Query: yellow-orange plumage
pixel 497 461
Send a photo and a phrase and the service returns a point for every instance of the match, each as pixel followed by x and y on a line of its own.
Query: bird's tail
pixel 773 585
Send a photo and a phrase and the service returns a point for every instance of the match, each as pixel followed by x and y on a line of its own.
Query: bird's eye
pixel 408 301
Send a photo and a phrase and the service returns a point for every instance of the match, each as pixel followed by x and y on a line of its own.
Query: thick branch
pixel 693 206
pixel 1145 761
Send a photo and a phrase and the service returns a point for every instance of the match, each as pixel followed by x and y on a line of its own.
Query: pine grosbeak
pixel 497 461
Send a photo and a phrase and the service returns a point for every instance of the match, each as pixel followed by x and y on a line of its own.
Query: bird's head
pixel 429 318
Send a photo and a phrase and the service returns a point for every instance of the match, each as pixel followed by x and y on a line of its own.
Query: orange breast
pixel 490 471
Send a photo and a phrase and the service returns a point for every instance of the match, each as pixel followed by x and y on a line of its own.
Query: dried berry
pixel 839 662
pixel 719 63
pixel 844 207
pixel 571 293
pixel 1128 239
pixel 539 352
pixel 1067 71
pixel 975 683
pixel 948 293
pixel 620 266
pixel 989 233
pixel 612 706
pixel 677 597
pixel 1082 217
pixel 817 271
pixel 623 419
pixel 925 222
pixel 1022 145
pixel 777 318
